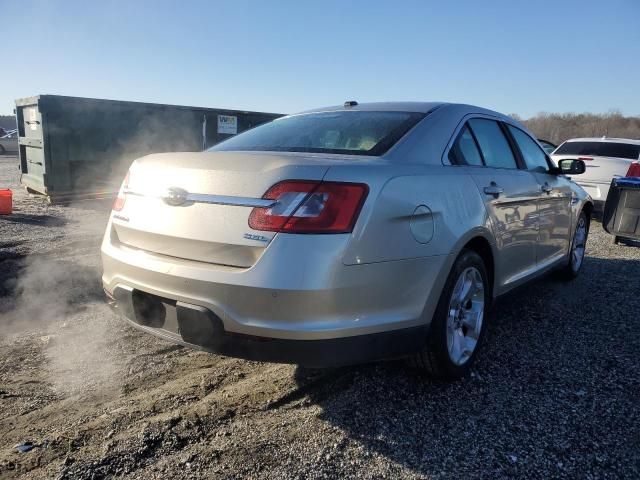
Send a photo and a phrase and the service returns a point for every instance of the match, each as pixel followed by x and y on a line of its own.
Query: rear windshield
pixel 348 132
pixel 600 149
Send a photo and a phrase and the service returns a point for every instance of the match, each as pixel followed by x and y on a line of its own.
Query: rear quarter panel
pixel 391 232
pixel 412 212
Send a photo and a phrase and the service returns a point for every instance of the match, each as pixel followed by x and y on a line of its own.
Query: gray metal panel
pixel 74 147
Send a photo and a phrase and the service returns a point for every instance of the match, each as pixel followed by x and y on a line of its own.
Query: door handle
pixel 493 189
pixel 546 188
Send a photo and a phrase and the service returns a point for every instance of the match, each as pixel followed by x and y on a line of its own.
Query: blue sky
pixel 286 56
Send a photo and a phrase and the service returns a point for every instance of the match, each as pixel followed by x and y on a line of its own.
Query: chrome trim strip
pixel 138 194
pixel 215 199
pixel 228 200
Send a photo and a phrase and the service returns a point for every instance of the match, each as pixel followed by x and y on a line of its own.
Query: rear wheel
pixel 578 245
pixel 458 324
pixel 2 150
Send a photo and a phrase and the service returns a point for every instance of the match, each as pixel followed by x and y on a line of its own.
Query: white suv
pixel 606 158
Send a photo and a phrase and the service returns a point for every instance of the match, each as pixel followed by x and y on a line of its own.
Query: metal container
pixel 74 147
pixel 621 216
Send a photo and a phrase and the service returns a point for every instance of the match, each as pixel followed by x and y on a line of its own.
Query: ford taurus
pixel 343 235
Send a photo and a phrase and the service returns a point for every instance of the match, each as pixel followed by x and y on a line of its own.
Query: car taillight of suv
pixel 634 170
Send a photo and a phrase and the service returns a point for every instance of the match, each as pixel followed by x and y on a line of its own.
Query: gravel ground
pixel 555 393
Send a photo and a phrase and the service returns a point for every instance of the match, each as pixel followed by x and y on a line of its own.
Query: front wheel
pixel 578 245
pixel 458 324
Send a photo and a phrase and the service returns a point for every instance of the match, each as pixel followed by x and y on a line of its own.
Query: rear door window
pixel 534 156
pixel 494 146
pixel 465 150
pixel 600 149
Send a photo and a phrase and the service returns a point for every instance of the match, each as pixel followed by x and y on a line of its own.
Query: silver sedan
pixel 344 235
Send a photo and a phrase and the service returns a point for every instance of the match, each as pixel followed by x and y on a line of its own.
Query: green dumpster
pixel 72 148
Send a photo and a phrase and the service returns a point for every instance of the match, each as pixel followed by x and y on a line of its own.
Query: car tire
pixel 577 252
pixel 2 150
pixel 438 357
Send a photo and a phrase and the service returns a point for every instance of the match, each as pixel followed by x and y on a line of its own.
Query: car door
pixel 554 204
pixel 510 195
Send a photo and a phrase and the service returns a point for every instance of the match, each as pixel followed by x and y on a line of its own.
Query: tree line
pixel 558 127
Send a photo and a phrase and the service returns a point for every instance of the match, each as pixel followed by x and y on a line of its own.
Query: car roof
pixel 428 139
pixel 418 107
pixel 606 139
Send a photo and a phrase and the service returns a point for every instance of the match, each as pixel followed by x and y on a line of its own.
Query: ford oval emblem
pixel 176 196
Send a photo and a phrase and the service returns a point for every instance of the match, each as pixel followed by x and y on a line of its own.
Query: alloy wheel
pixel 466 314
pixel 579 243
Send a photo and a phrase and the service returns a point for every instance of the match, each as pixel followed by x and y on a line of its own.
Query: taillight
pixel 310 207
pixel 634 170
pixel 118 203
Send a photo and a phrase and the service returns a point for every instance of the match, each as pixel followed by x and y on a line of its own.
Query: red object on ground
pixel 6 202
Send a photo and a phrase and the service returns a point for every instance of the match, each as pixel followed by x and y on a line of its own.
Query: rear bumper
pixel 291 293
pixel 197 327
pixel 297 304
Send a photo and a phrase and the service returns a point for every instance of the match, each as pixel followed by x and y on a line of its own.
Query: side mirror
pixel 569 166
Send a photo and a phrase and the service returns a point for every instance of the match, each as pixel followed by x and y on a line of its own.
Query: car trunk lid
pixel 214 227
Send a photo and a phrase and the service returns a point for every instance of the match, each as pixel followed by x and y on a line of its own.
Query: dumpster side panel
pixel 245 121
pixel 79 147
pixel 93 145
